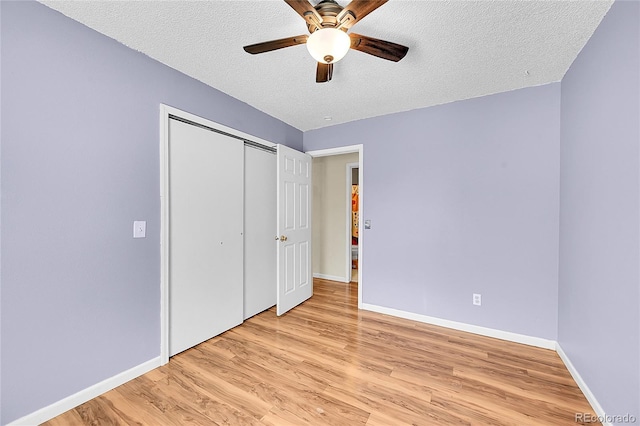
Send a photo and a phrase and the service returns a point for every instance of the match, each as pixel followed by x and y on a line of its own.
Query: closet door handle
pixel 282 238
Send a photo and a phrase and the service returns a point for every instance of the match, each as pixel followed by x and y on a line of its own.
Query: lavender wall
pixel 463 199
pixel 80 162
pixel 599 283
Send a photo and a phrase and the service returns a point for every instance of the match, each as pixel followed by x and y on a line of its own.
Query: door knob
pixel 283 238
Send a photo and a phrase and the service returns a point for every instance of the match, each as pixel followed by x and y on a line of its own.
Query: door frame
pixel 166 112
pixel 350 167
pixel 348 150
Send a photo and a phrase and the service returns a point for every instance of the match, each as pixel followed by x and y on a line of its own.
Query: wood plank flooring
pixel 326 363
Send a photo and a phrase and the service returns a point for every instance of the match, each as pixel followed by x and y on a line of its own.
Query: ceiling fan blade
pixel 380 48
pixel 268 46
pixel 356 10
pixel 307 11
pixel 324 72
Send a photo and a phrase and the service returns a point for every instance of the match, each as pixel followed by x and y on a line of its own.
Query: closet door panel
pixel 260 231
pixel 206 174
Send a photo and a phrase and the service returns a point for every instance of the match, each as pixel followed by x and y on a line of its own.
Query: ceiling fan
pixel 328 23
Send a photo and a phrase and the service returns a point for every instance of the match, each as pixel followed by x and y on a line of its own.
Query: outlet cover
pixel 477 299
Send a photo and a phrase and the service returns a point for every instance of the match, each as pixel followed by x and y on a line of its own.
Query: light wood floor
pixel 326 363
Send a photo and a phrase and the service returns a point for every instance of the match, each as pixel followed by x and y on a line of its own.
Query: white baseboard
pixel 583 386
pixel 475 329
pixel 47 413
pixel 331 277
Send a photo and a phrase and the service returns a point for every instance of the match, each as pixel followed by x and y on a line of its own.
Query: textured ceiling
pixel 457 50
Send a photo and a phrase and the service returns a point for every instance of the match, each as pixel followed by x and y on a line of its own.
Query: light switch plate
pixel 139 229
pixel 367 224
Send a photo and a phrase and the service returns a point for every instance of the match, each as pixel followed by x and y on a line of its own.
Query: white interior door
pixel 206 172
pixel 295 282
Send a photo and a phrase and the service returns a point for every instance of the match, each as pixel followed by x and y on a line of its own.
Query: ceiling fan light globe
pixel 328 45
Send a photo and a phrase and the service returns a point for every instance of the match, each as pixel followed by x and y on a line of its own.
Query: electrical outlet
pixel 477 299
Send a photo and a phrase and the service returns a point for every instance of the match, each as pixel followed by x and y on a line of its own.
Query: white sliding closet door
pixel 206 173
pixel 260 229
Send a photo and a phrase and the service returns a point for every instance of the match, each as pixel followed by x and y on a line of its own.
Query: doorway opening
pixel 353 216
pixel 333 217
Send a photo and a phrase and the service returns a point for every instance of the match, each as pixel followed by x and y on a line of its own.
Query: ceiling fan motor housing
pixel 328 10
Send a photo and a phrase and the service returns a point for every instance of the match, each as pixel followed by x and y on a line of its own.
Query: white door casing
pixel 295 281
